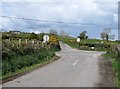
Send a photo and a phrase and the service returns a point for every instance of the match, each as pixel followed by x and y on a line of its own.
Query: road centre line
pixel 75 63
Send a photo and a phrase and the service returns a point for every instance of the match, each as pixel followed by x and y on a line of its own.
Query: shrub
pixel 17 56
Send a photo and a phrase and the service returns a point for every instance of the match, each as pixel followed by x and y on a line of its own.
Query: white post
pixel 37 42
pixel 20 41
pixel 32 41
pixel 26 41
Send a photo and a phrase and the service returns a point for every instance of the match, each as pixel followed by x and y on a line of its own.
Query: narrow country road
pixel 75 68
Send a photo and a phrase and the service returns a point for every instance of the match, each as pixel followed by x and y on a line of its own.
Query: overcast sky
pixel 92 16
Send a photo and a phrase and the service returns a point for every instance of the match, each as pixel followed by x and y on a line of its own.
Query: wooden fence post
pixel 20 41
pixel 26 41
pixel 37 43
pixel 33 42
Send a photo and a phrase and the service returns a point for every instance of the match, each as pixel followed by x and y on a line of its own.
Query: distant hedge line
pixel 88 46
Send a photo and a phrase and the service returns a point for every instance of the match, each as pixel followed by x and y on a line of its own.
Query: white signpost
pixel 45 38
pixel 78 39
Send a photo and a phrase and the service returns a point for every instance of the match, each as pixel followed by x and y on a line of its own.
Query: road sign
pixel 46 38
pixel 92 48
pixel 78 39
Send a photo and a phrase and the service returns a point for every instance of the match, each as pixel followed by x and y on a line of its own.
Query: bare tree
pixel 104 36
pixel 107 30
pixel 53 31
pixel 63 33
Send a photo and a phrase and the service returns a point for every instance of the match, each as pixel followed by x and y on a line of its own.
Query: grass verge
pixel 23 71
pixel 113 57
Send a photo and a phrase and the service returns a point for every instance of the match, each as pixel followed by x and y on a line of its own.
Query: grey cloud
pixel 78 11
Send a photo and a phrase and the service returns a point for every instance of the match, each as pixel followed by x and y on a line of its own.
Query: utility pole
pixel 119 20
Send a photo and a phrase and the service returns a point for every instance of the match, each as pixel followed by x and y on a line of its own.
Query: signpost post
pixel 45 38
pixel 78 40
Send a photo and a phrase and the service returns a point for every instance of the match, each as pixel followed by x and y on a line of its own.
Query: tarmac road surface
pixel 75 68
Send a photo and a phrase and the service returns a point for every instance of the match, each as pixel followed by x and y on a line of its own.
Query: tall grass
pixel 113 54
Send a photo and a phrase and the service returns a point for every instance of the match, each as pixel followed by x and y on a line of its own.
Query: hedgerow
pixel 16 56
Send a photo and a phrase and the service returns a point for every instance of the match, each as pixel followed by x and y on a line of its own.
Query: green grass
pixel 91 41
pixel 110 55
pixel 88 41
pixel 85 44
pixel 114 57
pixel 23 35
pixel 115 64
pixel 18 62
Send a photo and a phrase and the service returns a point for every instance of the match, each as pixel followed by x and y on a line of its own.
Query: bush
pixel 114 54
pixel 84 48
pixel 17 56
pixel 19 62
pixel 54 43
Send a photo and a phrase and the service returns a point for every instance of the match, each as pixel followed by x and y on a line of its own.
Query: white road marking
pixel 0 86
pixel 75 63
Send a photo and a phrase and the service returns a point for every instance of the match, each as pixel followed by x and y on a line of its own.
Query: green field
pixel 86 44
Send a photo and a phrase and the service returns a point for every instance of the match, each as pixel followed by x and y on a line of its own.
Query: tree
pixel 106 33
pixel 107 37
pixel 63 33
pixel 40 36
pixel 104 36
pixel 107 30
pixel 5 36
pixel 83 35
pixel 12 35
pixel 33 36
pixel 53 39
pixel 54 42
pixel 52 31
